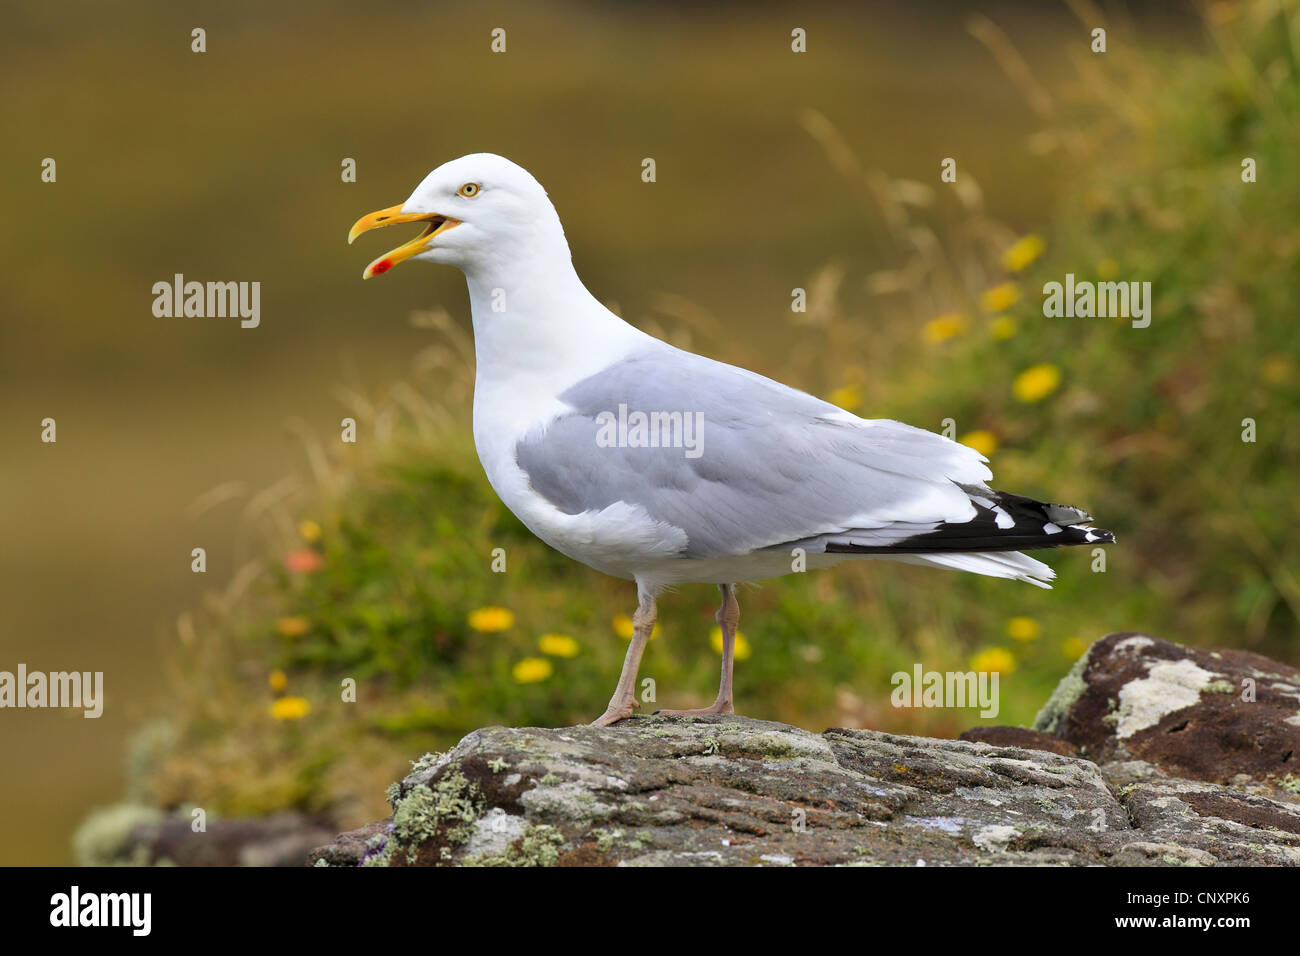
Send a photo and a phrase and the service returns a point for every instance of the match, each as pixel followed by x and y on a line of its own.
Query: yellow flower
pixel 1022 252
pixel 1000 297
pixel 1022 628
pixel 742 645
pixel 309 530
pixel 943 328
pixel 290 708
pixel 531 670
pixel 997 659
pixel 558 645
pixel 277 680
pixel 1073 647
pixel 847 397
pixel 624 627
pixel 1036 383
pixel 294 626
pixel 491 620
pixel 1107 268
pixel 1002 328
pixel 984 442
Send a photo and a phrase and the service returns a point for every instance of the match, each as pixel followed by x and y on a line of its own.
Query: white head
pixel 482 212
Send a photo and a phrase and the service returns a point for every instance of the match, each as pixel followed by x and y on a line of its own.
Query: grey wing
pixel 757 465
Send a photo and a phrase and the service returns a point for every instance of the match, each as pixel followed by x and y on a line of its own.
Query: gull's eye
pixel 469 190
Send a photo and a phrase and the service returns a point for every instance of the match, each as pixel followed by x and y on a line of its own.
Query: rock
pixel 282 839
pixel 349 848
pixel 143 836
pixel 1195 822
pixel 733 791
pixel 1020 737
pixel 1222 716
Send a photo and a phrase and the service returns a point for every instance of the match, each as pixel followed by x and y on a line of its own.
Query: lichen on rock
pixel 429 819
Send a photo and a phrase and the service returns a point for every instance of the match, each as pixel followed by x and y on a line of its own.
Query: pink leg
pixel 624 701
pixel 728 617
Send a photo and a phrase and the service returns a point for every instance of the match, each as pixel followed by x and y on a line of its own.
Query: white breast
pixel 524 364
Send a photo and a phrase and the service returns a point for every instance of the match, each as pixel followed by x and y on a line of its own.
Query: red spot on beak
pixel 383 265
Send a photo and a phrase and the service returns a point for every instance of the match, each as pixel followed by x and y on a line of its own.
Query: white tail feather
pixel 996 564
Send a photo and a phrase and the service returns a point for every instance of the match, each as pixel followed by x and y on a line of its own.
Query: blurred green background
pixel 775 170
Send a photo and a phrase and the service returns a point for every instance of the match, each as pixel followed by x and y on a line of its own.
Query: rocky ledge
pixel 1148 753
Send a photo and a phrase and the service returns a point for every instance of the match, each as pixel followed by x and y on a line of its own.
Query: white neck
pixel 541 330
pixel 537 331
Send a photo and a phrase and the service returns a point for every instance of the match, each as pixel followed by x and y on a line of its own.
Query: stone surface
pixel 1020 737
pixel 279 840
pixel 732 791
pixel 1188 711
pixel 143 836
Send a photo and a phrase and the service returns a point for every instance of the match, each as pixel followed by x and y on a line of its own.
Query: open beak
pixel 391 217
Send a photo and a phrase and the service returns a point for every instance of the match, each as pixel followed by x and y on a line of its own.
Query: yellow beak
pixel 391 217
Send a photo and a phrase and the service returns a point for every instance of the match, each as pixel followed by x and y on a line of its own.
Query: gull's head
pixel 477 211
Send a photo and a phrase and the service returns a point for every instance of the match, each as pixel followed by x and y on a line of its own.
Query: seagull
pixel 663 467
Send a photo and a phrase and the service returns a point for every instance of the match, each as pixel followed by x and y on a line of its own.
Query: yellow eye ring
pixel 469 190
